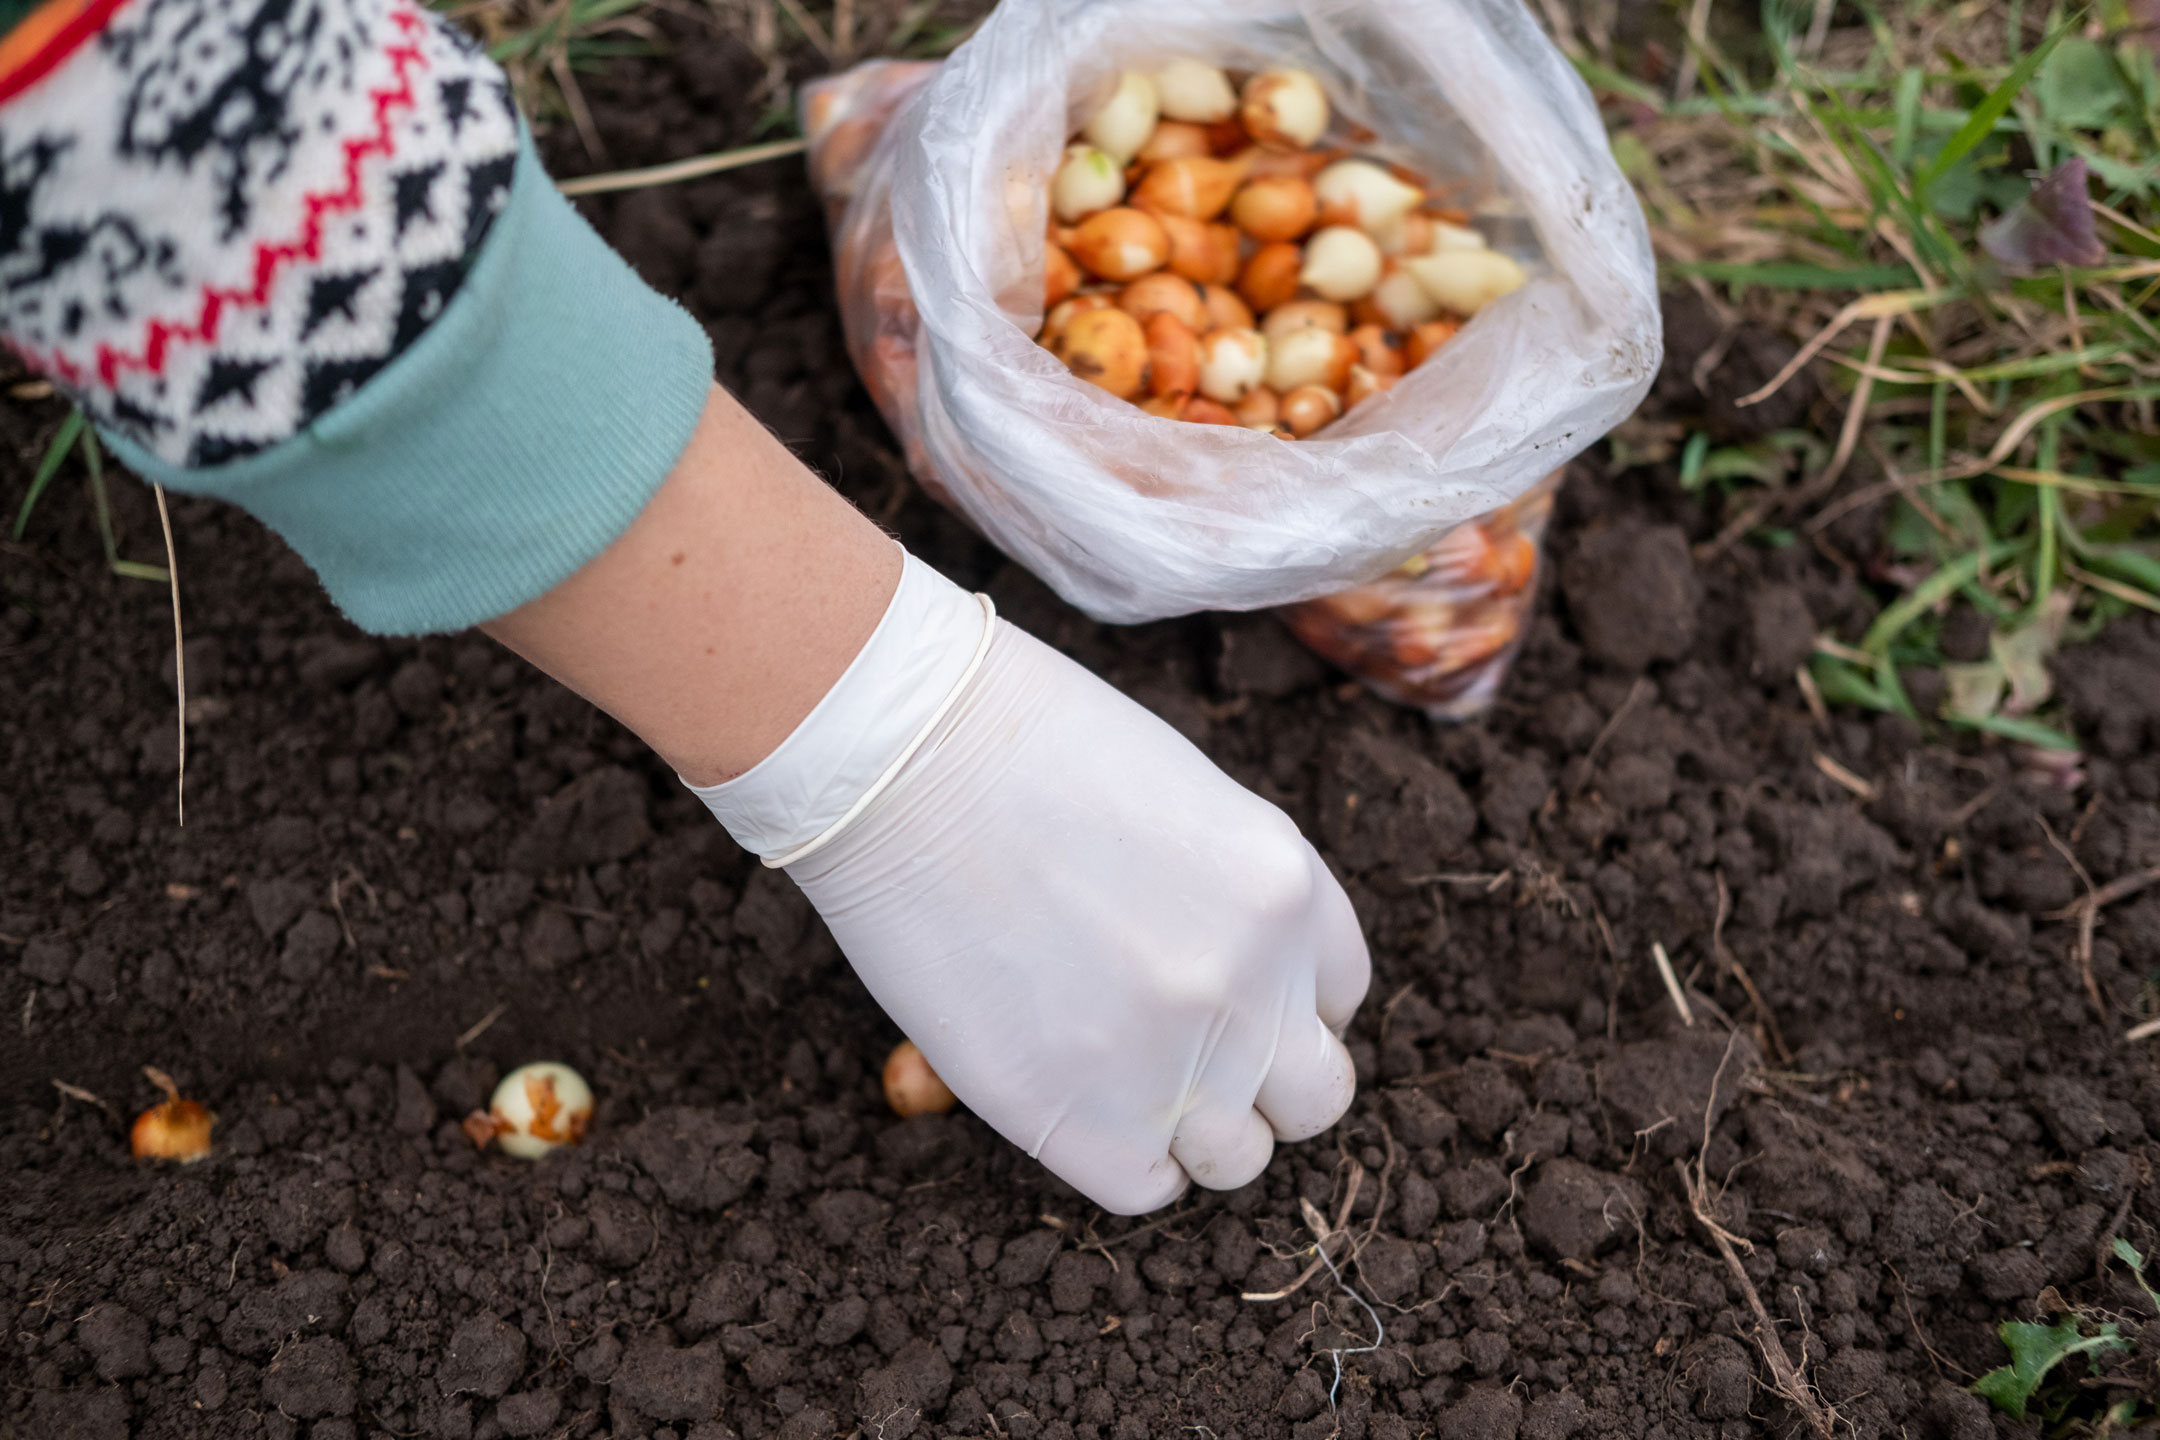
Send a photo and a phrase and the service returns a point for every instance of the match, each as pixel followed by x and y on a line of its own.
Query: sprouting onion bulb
pixel 912 1087
pixel 539 1108
pixel 1127 119
pixel 1195 91
pixel 173 1129
pixel 1089 179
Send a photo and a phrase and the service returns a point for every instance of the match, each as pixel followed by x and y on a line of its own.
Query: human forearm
pixel 718 620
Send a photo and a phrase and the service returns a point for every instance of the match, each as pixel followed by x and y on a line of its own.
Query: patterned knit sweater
pixel 299 253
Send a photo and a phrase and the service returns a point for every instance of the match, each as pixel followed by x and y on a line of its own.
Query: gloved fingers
pixel 1342 966
pixel 1108 1172
pixel 1311 1082
pixel 1223 1147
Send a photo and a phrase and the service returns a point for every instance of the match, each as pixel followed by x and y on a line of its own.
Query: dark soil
pixel 407 866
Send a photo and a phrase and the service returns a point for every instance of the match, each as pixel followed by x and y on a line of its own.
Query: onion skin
pixel 1274 207
pixel 1127 119
pixel 1308 408
pixel 911 1087
pixel 1173 356
pixel 1087 180
pixel 1173 140
pixel 1226 309
pixel 1197 187
pixel 1377 350
pixel 1107 348
pixel 1061 276
pixel 1305 315
pixel 539 1108
pixel 1199 410
pixel 1342 263
pixel 1358 192
pixel 1261 406
pixel 1204 253
pixel 174 1129
pixel 1309 356
pixel 1399 302
pixel 1232 362
pixel 1120 244
pixel 1062 314
pixel 1427 338
pixel 1284 109
pixel 1193 90
pixel 1465 281
pixel 1364 384
pixel 1164 293
pixel 1271 276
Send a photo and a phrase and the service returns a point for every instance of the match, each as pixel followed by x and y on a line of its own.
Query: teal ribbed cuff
pixel 510 444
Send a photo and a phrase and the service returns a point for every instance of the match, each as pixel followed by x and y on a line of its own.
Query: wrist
pixel 922 653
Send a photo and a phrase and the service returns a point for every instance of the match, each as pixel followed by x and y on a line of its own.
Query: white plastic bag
pixel 937 179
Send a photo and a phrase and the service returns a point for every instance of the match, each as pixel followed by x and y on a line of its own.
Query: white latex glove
pixel 1128 964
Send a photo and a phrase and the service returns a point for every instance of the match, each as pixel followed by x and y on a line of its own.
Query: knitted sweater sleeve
pixel 300 254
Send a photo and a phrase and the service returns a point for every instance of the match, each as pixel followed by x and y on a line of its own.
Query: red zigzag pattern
pixel 272 257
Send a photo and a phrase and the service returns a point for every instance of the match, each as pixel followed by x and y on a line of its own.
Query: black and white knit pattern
pixel 220 218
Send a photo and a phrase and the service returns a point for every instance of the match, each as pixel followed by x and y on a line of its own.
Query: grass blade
pixel 1997 104
pixel 55 454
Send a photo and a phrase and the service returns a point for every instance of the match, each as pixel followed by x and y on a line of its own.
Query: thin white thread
pixel 831 832
pixel 1379 1330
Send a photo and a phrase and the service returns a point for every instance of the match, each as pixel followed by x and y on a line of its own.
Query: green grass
pixel 76 437
pixel 1841 195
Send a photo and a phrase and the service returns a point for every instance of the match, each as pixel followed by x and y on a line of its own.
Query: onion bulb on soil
pixel 1466 281
pixel 1196 91
pixel 1107 348
pixel 1358 192
pixel 1232 362
pixel 173 1129
pixel 1087 180
pixel 1127 119
pixel 1120 244
pixel 537 1109
pixel 1284 109
pixel 1342 263
pixel 912 1087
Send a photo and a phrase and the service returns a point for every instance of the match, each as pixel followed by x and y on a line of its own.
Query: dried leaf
pixel 2051 226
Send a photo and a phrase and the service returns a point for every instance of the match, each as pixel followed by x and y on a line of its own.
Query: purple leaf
pixel 2051 226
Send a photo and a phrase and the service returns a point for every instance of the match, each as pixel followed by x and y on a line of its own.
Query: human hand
pixel 1125 962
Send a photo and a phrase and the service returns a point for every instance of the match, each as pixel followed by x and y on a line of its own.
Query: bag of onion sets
pixel 1012 227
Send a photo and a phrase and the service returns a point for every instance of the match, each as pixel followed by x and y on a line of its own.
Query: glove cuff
pixel 847 749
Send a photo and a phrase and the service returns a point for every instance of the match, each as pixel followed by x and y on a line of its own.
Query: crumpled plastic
pixel 935 179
